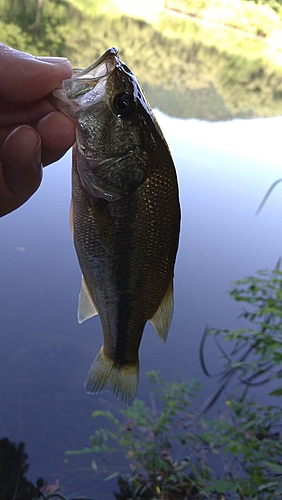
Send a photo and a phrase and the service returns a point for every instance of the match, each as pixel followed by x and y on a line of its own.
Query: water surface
pixel 224 170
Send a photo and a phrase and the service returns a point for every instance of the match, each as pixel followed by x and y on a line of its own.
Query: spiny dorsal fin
pixel 162 318
pixel 86 307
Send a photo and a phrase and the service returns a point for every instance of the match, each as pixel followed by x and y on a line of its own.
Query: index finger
pixel 26 78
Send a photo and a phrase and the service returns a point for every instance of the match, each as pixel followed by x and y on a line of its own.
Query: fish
pixel 125 216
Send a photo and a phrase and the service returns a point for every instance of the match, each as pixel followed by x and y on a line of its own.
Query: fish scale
pixel 125 217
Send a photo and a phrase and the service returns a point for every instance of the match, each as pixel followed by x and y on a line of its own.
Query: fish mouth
pixel 83 81
pixel 101 67
pixel 87 86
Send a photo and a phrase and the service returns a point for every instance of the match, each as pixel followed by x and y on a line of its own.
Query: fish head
pixel 115 126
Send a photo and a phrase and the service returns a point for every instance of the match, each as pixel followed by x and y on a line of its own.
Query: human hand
pixel 33 133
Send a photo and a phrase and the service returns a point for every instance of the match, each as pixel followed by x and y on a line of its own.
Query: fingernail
pixel 37 155
pixel 52 60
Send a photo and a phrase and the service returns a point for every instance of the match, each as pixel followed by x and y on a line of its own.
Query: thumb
pixel 20 169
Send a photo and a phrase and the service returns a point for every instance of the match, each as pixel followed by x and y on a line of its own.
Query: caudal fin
pixel 105 374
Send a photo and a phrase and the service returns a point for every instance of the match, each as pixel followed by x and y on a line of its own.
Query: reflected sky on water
pixel 224 171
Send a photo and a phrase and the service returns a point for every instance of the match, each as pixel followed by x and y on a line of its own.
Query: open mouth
pixel 87 79
pixel 87 86
pixel 100 68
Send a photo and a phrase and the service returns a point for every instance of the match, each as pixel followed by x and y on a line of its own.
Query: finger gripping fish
pixel 125 216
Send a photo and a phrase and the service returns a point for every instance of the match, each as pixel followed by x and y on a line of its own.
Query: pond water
pixel 224 170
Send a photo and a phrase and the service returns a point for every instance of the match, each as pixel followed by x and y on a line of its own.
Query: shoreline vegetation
pixel 255 18
pixel 175 451
pixel 211 60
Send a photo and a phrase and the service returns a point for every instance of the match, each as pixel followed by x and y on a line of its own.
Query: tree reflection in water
pixel 13 467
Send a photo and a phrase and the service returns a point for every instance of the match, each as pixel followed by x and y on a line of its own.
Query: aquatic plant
pixel 256 354
pixel 153 438
pixel 175 453
pixel 249 432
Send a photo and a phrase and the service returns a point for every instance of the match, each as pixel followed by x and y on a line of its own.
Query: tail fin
pixel 105 374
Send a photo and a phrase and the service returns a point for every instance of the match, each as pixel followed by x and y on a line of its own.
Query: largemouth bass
pixel 125 216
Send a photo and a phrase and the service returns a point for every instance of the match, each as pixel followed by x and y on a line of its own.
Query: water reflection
pixel 13 468
pixel 190 67
pixel 224 170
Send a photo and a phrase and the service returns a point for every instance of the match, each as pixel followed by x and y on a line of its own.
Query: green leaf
pixel 275 467
pixel 105 414
pixel 94 465
pixel 276 392
pixel 112 476
pixel 278 490
pixel 268 486
pixel 79 452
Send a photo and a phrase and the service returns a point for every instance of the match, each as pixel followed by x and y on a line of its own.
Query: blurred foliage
pixel 263 295
pixel 249 432
pixel 153 439
pixel 172 452
pixel 272 4
pixel 258 18
pixel 187 68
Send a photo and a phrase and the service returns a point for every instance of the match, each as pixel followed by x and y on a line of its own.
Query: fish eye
pixel 124 104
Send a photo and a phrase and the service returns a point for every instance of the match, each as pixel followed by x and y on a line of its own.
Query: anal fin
pixel 86 306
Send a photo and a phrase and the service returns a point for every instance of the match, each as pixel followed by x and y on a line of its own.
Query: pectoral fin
pixel 162 318
pixel 86 307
